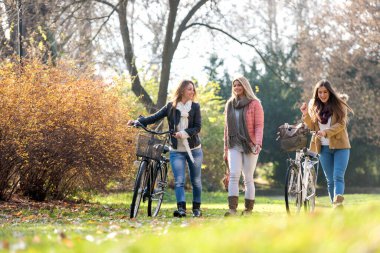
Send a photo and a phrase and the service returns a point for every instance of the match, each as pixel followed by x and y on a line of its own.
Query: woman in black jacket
pixel 184 118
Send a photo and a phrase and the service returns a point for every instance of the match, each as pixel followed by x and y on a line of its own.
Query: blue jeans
pixel 334 164
pixel 178 163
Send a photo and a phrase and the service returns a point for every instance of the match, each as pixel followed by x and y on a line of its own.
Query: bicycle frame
pixel 308 165
pixel 305 167
pixel 150 170
pixel 154 167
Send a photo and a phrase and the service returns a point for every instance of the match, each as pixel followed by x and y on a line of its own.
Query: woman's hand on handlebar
pixel 134 123
pixel 131 123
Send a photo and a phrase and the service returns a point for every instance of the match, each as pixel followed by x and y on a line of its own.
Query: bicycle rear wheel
pixel 293 193
pixel 309 203
pixel 140 188
pixel 158 189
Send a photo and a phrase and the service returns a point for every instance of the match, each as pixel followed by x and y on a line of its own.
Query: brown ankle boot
pixel 249 203
pixel 338 201
pixel 232 205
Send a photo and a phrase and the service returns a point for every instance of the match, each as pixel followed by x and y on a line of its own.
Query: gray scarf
pixel 235 136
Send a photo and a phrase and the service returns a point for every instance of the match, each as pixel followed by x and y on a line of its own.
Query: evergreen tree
pixel 224 81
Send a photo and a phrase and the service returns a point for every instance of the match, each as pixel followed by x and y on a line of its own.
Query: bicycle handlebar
pixel 139 125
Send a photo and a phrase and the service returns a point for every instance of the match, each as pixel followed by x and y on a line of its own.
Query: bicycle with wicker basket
pixel 302 171
pixel 151 178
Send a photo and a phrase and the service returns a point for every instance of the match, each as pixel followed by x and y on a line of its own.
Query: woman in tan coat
pixel 327 115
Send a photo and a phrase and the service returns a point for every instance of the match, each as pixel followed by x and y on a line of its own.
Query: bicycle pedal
pixel 162 184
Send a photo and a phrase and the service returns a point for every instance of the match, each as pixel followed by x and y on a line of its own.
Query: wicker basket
pixel 150 146
pixel 293 143
pixel 292 137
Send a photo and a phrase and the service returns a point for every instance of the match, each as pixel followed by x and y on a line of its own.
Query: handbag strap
pixel 227 167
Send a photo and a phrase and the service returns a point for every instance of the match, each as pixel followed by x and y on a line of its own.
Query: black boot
pixel 181 212
pixel 197 209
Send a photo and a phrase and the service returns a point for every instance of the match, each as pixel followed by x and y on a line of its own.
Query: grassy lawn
pixel 103 226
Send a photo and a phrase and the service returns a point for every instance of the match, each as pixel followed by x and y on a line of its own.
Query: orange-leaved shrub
pixel 61 131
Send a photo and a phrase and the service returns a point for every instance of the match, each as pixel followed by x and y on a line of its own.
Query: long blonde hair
pixel 248 92
pixel 179 91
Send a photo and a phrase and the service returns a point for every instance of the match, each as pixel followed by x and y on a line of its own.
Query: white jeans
pixel 238 162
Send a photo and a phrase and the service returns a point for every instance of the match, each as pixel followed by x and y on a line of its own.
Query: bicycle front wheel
pixel 309 203
pixel 158 189
pixel 293 190
pixel 140 188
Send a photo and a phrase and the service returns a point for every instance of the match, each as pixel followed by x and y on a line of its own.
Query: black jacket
pixel 174 116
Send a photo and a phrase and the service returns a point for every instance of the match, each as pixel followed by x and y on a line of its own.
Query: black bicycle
pixel 151 178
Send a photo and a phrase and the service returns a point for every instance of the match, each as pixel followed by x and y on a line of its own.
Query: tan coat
pixel 337 134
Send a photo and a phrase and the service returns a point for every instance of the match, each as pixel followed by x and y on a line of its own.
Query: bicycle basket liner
pixel 292 137
pixel 150 146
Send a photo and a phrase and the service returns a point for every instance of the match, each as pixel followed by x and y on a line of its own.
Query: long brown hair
pixel 335 104
pixel 179 91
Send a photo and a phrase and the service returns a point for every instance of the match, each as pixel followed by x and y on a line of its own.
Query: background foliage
pixel 212 107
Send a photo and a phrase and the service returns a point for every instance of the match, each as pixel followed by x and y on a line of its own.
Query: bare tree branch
pixel 170 46
pixel 182 26
pixel 103 24
pixel 65 8
pixel 130 59
pixel 242 43
pixel 109 4
pixel 71 15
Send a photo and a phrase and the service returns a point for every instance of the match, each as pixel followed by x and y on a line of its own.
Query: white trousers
pixel 240 162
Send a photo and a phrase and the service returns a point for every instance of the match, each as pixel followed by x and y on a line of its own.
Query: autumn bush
pixel 61 131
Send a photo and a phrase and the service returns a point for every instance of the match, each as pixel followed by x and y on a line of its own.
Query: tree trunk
pixel 167 54
pixel 170 45
pixel 130 59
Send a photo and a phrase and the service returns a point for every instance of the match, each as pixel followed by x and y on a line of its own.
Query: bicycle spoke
pixel 293 188
pixel 310 191
pixel 139 189
pixel 158 189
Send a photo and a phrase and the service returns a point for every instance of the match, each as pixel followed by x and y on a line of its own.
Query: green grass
pixel 104 226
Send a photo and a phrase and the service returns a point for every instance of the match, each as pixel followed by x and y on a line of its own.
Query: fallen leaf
pixel 30 217
pixel 5 244
pixel 68 242
pixel 36 239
